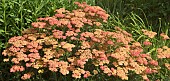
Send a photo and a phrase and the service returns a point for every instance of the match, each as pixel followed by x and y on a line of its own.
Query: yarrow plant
pixel 71 42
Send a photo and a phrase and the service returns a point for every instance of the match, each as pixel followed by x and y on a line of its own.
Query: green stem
pixel 21 22
pixel 4 16
pixel 159 25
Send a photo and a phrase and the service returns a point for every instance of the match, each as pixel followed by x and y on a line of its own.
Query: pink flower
pixel 135 52
pixel 69 33
pixel 147 43
pixel 81 62
pixel 16 68
pixel 143 55
pixel 29 46
pixel 77 30
pixel 145 62
pixel 57 34
pixel 95 39
pixel 92 14
pixel 103 58
pixel 86 9
pixel 38 24
pixel 53 21
pixel 28 64
pixel 153 62
pixel 33 50
pixel 69 49
pixel 32 60
pixel 148 70
pixel 73 38
pixel 82 38
pixel 53 69
pixel 154 71
pixel 59 15
pixel 39 47
pixel 21 68
pixel 15 60
pixel 26 76
pixel 34 55
pixel 87 74
pixel 64 37
pixel 15 38
pixel 69 26
pixel 110 42
pixel 14 49
pixel 102 67
pixel 140 60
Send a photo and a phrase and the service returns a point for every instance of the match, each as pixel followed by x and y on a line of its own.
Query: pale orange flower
pixel 145 77
pixel 61 10
pixel 97 23
pixel 26 76
pixel 165 37
pixel 121 73
pixel 85 45
pixel 87 74
pixel 163 52
pixel 107 70
pixel 150 34
pixel 68 46
pixel 64 71
pixel 95 72
pixel 167 65
pixel 76 74
pixel 79 14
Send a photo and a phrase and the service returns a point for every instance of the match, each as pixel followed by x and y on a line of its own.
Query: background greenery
pixel 132 15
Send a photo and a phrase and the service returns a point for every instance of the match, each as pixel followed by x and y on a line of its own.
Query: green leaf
pixel 1 31
pixel 1 20
pixel 17 19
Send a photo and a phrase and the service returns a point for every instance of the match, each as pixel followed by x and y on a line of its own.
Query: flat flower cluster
pixel 63 43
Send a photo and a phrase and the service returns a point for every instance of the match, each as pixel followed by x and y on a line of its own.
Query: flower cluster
pixel 75 19
pixel 150 34
pixel 163 52
pixel 58 44
pixel 164 36
pixel 167 65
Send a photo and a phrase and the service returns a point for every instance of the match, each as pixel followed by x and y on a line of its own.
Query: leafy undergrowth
pixel 75 45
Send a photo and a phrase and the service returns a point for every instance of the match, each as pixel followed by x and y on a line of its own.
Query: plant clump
pixel 71 42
